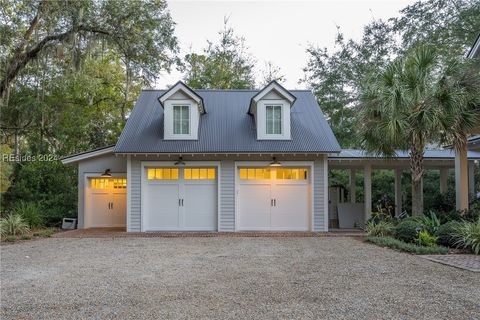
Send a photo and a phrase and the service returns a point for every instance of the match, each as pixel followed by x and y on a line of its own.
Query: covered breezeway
pixel 356 213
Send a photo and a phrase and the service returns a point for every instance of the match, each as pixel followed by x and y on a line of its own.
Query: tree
pixel 142 31
pixel 223 65
pixel 336 76
pixel 271 73
pixel 6 168
pixel 404 107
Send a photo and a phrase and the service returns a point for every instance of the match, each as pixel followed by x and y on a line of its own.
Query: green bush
pixel 13 225
pixel 407 247
pixel 426 239
pixel 429 222
pixel 445 232
pixel 379 229
pixel 467 235
pixel 30 212
pixel 407 230
pixel 51 185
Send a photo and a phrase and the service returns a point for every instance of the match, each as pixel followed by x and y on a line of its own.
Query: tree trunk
pixel 416 166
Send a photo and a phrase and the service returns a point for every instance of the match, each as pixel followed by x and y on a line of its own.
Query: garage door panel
pixel 291 207
pixel 200 204
pixel 100 215
pixel 254 207
pixel 162 206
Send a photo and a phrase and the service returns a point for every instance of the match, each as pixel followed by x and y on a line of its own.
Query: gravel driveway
pixel 228 278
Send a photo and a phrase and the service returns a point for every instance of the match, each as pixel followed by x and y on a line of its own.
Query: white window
pixel 274 119
pixel 181 119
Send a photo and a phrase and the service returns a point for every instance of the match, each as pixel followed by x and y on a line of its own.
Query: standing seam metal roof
pixel 227 128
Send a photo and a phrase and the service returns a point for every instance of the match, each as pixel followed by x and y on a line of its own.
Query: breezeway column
pixel 461 179
pixel 471 178
pixel 353 185
pixel 367 182
pixel 443 180
pixel 398 191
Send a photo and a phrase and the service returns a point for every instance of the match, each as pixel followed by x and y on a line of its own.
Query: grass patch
pixel 406 247
pixel 44 233
pixel 10 239
pixel 26 237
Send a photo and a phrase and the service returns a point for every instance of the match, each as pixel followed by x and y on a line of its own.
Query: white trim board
pixel 87 155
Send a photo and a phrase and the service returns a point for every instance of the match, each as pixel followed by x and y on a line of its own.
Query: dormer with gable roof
pixel 271 109
pixel 182 109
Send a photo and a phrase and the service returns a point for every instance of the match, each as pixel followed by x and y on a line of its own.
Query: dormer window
pixel 181 119
pixel 271 109
pixel 182 109
pixel 274 119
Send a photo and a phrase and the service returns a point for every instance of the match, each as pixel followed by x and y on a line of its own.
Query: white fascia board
pixel 275 86
pixel 87 155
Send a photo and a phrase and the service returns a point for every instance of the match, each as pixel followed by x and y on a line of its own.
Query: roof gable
pixel 273 86
pixel 182 88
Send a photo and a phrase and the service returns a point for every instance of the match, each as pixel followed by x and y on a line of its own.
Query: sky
pixel 275 31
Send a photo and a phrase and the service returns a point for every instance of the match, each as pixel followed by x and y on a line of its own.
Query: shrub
pixel 429 223
pixel 13 225
pixel 381 228
pixel 407 247
pixel 407 230
pixel 467 235
pixel 49 184
pixel 445 232
pixel 426 239
pixel 30 212
pixel 26 237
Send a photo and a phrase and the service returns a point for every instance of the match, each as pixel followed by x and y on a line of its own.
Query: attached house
pixel 212 160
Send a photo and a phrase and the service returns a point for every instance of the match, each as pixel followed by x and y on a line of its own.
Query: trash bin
pixel 69 223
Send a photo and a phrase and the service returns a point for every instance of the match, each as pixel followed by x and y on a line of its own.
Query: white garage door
pixel 179 199
pixel 275 199
pixel 106 203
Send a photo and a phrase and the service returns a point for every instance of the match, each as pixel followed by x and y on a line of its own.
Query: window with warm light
pixel 255 173
pixel 291 174
pixel 100 184
pixel 119 183
pixel 270 173
pixel 162 174
pixel 199 173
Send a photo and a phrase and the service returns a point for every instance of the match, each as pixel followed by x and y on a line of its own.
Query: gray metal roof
pixel 227 128
pixel 429 154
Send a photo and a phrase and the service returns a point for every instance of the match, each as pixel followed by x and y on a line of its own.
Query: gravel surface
pixel 228 278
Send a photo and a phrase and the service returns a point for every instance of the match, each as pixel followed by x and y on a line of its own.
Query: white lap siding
pixel 227 194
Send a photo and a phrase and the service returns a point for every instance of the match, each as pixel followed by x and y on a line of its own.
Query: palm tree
pixel 410 104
